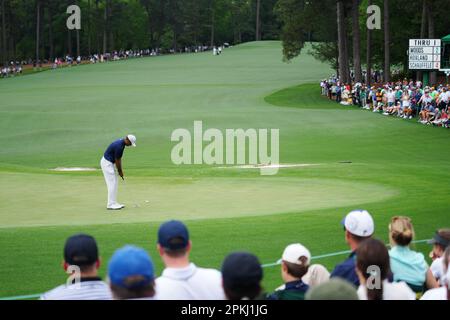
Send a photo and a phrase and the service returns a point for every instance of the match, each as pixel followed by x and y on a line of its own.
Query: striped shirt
pixel 87 289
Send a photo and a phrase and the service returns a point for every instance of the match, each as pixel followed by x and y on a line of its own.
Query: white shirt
pixel 391 96
pixel 437 269
pixel 435 294
pixel 445 96
pixel 85 290
pixel 391 291
pixel 189 283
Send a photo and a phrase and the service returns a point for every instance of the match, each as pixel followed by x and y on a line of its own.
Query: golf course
pixel 338 158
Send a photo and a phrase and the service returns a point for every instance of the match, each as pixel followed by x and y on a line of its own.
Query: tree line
pixel 37 28
pixel 346 42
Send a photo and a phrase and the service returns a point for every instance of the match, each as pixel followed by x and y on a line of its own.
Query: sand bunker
pixel 74 169
pixel 270 166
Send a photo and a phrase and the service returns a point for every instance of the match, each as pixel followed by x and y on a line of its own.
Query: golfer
pixel 113 155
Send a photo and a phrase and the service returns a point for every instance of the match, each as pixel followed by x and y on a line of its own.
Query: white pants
pixel 111 179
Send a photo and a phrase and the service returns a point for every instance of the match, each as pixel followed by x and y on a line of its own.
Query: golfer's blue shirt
pixel 115 150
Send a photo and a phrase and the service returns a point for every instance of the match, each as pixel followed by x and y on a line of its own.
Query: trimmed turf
pixel 66 118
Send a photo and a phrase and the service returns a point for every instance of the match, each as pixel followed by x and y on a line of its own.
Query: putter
pixel 135 205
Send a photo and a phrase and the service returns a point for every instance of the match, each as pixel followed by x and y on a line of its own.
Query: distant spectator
pixel 358 226
pixel 242 275
pixel 440 242
pixel 373 269
pixel 444 99
pixel 294 265
pixel 407 265
pixel 131 274
pixel 442 293
pixel 81 251
pixel 335 289
pixel 181 279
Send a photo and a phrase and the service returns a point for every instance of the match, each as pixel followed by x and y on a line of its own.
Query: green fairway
pixel 67 117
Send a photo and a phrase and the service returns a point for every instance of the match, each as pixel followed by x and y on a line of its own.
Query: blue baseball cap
pixel 131 267
pixel 171 230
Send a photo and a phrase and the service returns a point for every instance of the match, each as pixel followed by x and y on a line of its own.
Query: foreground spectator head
pixel 440 241
pixel 372 253
pixel 358 226
pixel 335 289
pixel 407 265
pixel 401 231
pixel 295 263
pixel 182 279
pixel 173 240
pixel 373 269
pixel 81 250
pixel 81 260
pixel 441 293
pixel 242 275
pixel 131 274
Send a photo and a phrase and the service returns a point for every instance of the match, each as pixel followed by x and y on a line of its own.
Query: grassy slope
pixel 67 117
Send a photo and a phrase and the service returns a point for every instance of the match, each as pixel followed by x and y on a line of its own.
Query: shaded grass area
pixel 305 96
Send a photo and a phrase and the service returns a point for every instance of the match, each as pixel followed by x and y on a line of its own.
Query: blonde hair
pixel 401 231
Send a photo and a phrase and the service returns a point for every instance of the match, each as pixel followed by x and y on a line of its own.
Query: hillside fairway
pixel 66 118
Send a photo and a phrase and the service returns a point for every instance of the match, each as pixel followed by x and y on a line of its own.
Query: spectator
pixel 294 265
pixel 444 99
pixel 131 274
pixel 81 251
pixel 181 279
pixel 373 269
pixel 242 275
pixel 407 265
pixel 338 93
pixel 406 105
pixel 358 226
pixel 442 293
pixel 445 122
pixel 335 289
pixel 440 242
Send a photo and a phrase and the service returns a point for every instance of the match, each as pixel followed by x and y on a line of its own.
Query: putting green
pixel 79 200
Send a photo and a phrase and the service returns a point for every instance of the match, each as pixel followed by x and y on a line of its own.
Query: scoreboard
pixel 424 54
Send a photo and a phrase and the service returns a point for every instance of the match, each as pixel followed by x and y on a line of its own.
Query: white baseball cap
pixel 132 139
pixel 294 252
pixel 359 223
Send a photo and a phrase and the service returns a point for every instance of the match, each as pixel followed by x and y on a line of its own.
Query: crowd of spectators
pixel 404 99
pixel 371 272
pixel 15 68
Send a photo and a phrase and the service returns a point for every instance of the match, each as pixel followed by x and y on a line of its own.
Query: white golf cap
pixel 359 223
pixel 132 139
pixel 294 252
